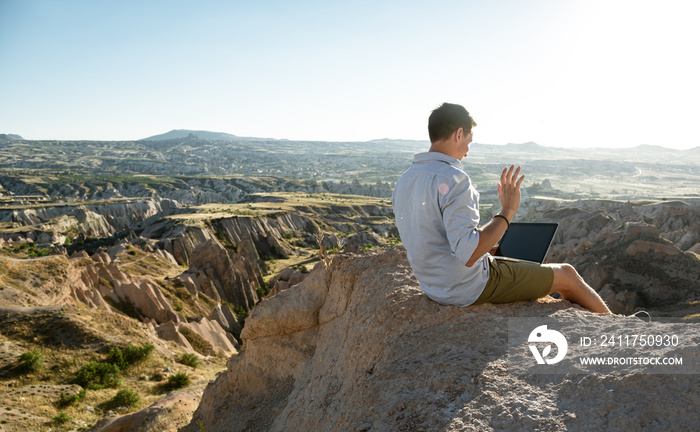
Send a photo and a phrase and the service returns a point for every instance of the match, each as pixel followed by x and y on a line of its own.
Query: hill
pixel 200 134
pixel 10 137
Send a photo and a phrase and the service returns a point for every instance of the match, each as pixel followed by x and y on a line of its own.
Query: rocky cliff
pixel 637 255
pixel 54 223
pixel 358 347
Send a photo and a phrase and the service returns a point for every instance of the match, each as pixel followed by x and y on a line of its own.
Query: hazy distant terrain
pixel 641 172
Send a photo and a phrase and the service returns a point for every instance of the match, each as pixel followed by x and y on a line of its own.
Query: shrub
pixel 116 357
pixel 177 381
pixel 190 360
pixel 263 290
pixel 240 311
pixel 135 354
pixel 98 375
pixel 125 397
pixel 64 400
pixel 62 418
pixel 129 356
pixel 31 361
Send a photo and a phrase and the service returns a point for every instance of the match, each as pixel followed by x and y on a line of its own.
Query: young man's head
pixel 450 129
pixel 446 120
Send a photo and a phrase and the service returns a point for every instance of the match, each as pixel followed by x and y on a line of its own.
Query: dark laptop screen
pixel 527 241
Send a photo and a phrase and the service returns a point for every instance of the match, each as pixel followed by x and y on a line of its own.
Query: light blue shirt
pixel 437 213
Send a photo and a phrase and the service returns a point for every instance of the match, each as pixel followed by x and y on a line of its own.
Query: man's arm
pixel 509 196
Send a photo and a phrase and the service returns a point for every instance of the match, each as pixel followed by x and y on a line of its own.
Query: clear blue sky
pixel 559 72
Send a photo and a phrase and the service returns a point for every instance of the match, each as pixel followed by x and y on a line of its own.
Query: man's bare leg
pixel 572 287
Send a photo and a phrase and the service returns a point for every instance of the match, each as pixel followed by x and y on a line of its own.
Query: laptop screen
pixel 527 241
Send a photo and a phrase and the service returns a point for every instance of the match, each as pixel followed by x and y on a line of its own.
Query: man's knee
pixel 565 278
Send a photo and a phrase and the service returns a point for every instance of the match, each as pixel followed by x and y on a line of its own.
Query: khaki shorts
pixel 513 280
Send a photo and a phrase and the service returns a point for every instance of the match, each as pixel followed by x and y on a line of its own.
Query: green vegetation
pixel 224 240
pixel 31 250
pixel 130 356
pixel 30 361
pixel 125 398
pixel 105 374
pixel 239 310
pixel 177 381
pixel 62 418
pixel 262 291
pixel 64 401
pixel 174 382
pixel 98 375
pixel 190 360
pixel 300 268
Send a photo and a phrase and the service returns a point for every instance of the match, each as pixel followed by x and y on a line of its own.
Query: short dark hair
pixel 446 119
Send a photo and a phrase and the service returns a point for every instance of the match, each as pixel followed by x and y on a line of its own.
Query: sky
pixel 560 73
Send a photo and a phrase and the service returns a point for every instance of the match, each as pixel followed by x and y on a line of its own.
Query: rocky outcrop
pixel 228 320
pixel 266 232
pixel 358 347
pixel 223 275
pixel 356 242
pixel 165 415
pixel 635 255
pixel 103 285
pixel 285 279
pixel 108 281
pixel 91 220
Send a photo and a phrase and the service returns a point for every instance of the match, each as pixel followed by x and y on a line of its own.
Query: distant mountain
pixel 10 137
pixel 399 141
pixel 184 133
pixel 648 148
pixel 529 147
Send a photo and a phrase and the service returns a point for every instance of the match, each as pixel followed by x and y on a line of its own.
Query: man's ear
pixel 458 133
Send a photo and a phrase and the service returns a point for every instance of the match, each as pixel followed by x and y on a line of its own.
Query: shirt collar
pixel 437 156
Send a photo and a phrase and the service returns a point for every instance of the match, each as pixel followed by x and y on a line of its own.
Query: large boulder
pixel 358 347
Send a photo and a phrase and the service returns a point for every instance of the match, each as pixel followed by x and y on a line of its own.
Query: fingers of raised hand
pixel 509 177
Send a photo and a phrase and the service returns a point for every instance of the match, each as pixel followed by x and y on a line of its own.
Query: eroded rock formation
pixel 357 346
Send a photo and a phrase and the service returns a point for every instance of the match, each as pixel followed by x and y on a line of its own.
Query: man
pixel 437 214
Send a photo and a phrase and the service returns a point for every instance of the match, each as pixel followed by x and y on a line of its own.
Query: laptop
pixel 527 241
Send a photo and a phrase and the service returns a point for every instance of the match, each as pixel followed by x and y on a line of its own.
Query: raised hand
pixel 509 191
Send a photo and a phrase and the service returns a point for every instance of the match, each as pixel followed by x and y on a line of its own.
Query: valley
pixel 110 247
